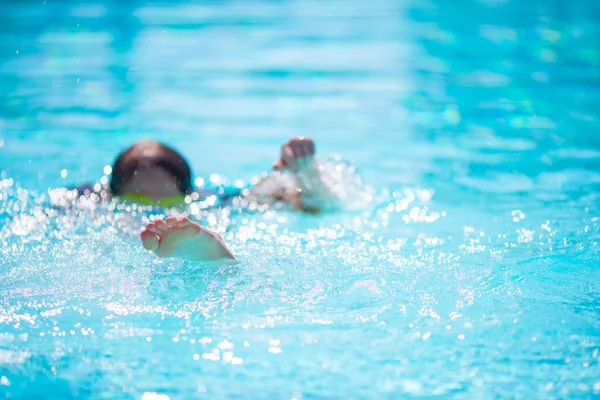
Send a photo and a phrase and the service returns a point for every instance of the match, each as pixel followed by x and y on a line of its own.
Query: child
pixel 152 173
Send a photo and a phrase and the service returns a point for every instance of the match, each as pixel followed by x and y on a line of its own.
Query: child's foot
pixel 183 238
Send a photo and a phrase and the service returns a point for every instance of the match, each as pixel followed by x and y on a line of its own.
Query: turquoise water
pixel 472 271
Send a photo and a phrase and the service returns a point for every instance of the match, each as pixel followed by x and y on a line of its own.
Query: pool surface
pixel 471 270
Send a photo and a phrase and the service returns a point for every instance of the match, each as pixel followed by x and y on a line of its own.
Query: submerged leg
pixel 184 238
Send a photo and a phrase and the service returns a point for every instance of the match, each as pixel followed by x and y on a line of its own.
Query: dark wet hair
pixel 148 154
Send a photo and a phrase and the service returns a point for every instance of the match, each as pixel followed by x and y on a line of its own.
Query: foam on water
pixel 333 301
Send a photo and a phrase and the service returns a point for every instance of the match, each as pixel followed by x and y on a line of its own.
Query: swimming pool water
pixel 471 273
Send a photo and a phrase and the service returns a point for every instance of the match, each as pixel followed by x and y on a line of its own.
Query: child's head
pixel 150 170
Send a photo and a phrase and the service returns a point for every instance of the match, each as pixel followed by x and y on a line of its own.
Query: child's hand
pixel 296 153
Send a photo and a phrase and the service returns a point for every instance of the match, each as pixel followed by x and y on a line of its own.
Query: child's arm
pixel 304 187
pixel 311 193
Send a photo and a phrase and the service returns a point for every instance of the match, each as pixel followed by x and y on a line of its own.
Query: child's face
pixel 153 183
